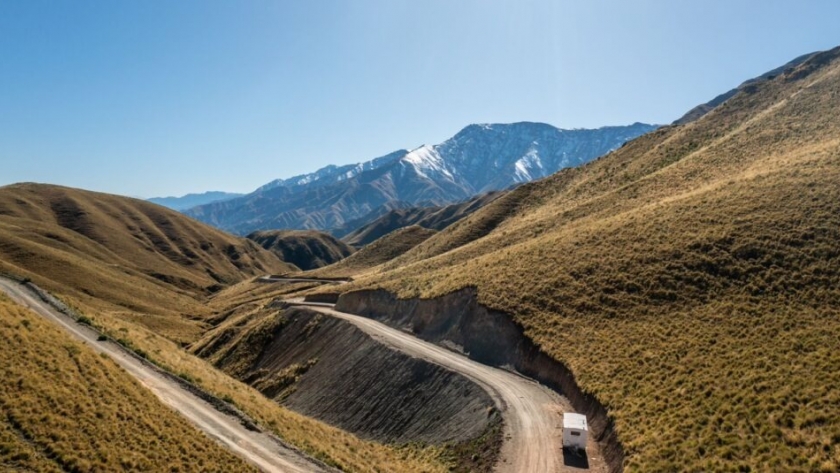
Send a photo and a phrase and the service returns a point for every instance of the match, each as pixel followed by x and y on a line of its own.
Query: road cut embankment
pixel 457 321
pixel 329 369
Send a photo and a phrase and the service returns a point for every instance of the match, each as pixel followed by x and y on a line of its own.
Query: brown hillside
pixel 63 408
pixel 147 276
pixel 122 254
pixel 380 251
pixel 690 279
pixel 435 218
pixel 306 249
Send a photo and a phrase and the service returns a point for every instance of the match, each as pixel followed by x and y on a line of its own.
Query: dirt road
pixel 532 412
pixel 262 450
pixel 284 279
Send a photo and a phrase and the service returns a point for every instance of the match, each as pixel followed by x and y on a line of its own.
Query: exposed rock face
pixel 458 321
pixel 328 369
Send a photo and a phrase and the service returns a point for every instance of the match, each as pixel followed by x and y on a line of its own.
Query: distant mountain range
pixel 479 159
pixel 191 200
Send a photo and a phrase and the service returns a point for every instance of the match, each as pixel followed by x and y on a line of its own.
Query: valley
pixel 141 275
pixel 331 380
pixel 530 412
pixel 440 309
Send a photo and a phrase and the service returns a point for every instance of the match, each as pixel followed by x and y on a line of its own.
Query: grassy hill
pixel 122 255
pixel 306 249
pixel 64 408
pixel 147 276
pixel 435 218
pixel 690 279
pixel 380 251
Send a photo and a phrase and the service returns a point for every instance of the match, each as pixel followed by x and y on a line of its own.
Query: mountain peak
pixel 479 158
pixel 501 127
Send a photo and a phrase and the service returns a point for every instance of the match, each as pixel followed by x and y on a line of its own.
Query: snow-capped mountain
pixel 492 157
pixel 332 173
pixel 480 158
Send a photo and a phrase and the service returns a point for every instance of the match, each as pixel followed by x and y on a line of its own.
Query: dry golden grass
pixel 65 408
pixel 123 255
pixel 306 249
pixel 145 275
pixel 251 294
pixel 380 251
pixel 690 280
pixel 326 443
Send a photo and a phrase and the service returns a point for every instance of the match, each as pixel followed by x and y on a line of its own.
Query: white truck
pixel 575 431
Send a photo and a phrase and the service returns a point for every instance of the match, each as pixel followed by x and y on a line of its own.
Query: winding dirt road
pixel 284 279
pixel 532 412
pixel 262 450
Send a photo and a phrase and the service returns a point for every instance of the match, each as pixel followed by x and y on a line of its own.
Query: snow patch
pixel 526 165
pixel 426 160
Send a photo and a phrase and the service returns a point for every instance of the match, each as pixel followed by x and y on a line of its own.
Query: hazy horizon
pixel 159 99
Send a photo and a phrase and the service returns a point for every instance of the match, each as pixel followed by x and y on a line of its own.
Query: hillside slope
pixel 381 251
pixel 702 109
pixel 306 249
pixel 121 254
pixel 479 159
pixel 434 218
pixel 63 408
pixel 146 276
pixel 690 280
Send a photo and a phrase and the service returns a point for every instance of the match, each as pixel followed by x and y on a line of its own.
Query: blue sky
pixel 149 98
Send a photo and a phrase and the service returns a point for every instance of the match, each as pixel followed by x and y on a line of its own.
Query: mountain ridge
pixel 306 249
pixel 433 218
pixel 188 201
pixel 478 159
pixel 704 108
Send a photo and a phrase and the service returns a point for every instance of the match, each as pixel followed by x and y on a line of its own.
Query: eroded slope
pixel 326 368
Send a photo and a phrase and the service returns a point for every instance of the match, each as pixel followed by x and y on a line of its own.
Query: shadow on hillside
pixel 575 458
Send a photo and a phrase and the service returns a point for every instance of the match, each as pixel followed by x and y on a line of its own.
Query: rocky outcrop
pixel 459 322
